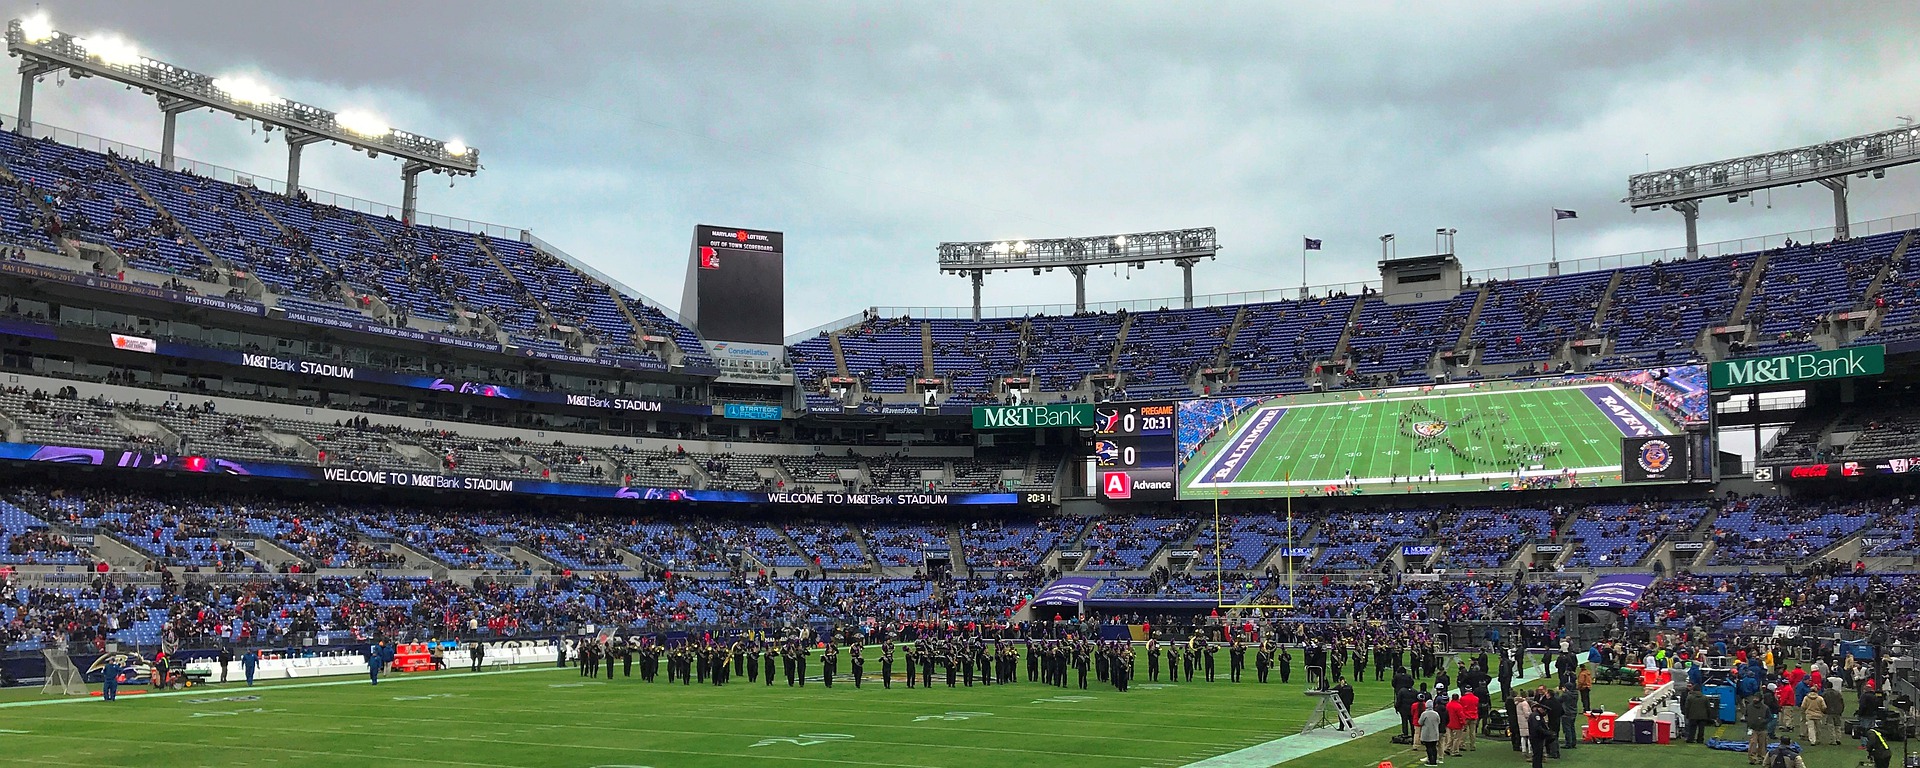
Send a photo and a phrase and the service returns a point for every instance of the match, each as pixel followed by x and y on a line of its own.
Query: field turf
pixel 551 717
pixel 1473 439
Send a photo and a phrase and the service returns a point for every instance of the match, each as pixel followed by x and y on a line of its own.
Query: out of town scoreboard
pixel 1132 451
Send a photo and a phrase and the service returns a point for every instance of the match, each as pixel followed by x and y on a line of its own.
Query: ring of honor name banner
pixel 1133 449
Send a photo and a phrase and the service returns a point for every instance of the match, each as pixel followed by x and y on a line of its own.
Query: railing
pixel 830 326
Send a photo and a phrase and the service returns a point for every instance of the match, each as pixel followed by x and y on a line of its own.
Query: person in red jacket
pixel 1456 727
pixel 1470 702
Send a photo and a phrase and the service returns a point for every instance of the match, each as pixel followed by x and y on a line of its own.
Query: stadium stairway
pixel 1473 317
pixel 839 357
pixel 814 568
pixel 926 351
pixel 532 299
pixel 253 288
pixel 376 306
pixel 541 563
pixel 1899 256
pixel 1750 287
pixel 1606 300
pixel 1233 329
pixel 158 432
pixel 275 555
pixel 962 568
pixel 1119 343
pixel 1346 331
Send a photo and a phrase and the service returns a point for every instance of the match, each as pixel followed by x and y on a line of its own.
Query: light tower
pixel 43 50
pixel 1183 247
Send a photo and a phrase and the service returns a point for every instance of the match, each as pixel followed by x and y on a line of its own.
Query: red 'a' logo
pixel 1116 485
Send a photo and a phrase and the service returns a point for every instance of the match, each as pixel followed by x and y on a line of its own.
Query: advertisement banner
pixel 1617 591
pixel 1802 367
pixel 416 477
pixel 752 411
pixel 1844 469
pixel 1033 416
pixel 101 282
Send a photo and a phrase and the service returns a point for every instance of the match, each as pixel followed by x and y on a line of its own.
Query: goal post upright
pixel 1219 563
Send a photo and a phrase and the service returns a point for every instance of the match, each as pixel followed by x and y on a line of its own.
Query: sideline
pixel 213 691
pixel 1301 745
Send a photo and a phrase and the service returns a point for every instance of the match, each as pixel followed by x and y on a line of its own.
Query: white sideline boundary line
pixel 1299 745
pixel 211 691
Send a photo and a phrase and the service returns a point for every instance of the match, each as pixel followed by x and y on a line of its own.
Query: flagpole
pixel 1303 269
pixel 1553 259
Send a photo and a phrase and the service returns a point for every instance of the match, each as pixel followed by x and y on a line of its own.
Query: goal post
pixel 1220 566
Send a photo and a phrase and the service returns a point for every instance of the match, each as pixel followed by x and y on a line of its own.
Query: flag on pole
pixel 1560 214
pixel 1312 244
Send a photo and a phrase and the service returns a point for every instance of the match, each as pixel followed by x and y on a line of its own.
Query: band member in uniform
pixel 1236 660
pixel 830 662
pixel 926 666
pixel 1208 651
pixel 786 663
pixel 1285 662
pixel 1082 659
pixel 800 662
pixel 912 658
pixel 1263 661
pixel 858 662
pixel 766 662
pixel 966 665
pixel 886 663
pixel 1153 660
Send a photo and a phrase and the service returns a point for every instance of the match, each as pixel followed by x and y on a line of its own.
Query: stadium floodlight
pixel 1827 163
pixel 36 28
pixel 362 123
pixel 43 50
pixel 1184 247
pixel 245 90
pixel 110 49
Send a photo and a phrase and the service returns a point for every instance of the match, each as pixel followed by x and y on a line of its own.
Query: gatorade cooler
pixel 1600 727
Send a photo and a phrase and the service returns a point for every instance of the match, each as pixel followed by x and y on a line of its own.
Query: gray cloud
pixel 870 132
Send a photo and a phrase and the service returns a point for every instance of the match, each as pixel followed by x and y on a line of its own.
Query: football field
pixel 553 718
pixel 1420 441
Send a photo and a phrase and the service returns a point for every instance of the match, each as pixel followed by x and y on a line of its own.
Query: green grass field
pixel 549 717
pixel 1473 440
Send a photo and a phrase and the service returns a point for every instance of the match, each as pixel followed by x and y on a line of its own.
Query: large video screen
pixel 736 285
pixel 1506 435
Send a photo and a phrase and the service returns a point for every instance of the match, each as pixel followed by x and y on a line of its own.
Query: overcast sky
pixel 870 132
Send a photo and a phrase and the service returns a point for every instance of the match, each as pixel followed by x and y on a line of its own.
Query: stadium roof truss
pixel 43 50
pixel 1827 164
pixel 1184 247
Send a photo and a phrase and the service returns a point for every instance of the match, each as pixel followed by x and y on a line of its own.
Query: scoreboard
pixel 1133 451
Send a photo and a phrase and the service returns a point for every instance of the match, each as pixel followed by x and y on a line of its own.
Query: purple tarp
pixel 1069 590
pixel 1617 591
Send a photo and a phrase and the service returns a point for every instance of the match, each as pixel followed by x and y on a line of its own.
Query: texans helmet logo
pixel 1106 421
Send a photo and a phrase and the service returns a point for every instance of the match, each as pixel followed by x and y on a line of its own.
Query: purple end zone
pixel 1227 464
pixel 1620 411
